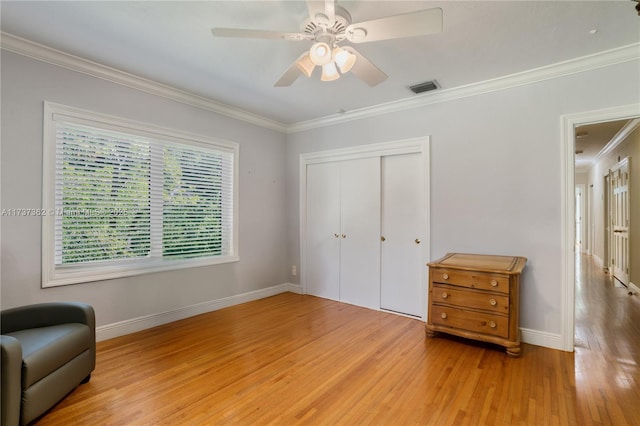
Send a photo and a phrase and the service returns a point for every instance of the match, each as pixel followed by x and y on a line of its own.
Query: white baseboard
pixel 542 338
pixel 133 325
pixel 634 288
pixel 294 288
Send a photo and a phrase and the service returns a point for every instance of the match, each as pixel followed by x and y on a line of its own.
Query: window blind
pixel 197 197
pixel 126 197
pixel 103 195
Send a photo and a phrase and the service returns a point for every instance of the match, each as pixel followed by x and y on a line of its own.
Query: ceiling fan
pixel 328 26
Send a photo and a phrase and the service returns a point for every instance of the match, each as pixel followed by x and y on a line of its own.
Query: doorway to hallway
pixel 593 240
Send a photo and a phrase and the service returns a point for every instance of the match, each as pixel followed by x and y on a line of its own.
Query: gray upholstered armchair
pixel 47 350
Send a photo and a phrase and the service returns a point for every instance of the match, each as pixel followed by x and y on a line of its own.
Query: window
pixel 123 198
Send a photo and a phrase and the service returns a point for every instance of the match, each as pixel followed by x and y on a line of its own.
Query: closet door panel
pixel 360 232
pixel 402 206
pixel 323 224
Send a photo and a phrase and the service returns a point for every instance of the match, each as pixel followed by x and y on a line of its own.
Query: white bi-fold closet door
pixel 343 223
pixel 364 239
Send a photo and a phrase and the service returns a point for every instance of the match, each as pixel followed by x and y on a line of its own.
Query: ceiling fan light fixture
pixel 306 65
pixel 320 53
pixel 329 72
pixel 343 59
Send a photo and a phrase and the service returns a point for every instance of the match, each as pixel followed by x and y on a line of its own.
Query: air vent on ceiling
pixel 424 87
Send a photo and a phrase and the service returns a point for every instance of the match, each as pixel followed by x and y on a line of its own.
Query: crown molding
pixel 573 66
pixel 52 56
pixel 40 52
pixel 617 139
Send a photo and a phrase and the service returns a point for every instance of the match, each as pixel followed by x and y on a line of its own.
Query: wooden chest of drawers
pixel 477 297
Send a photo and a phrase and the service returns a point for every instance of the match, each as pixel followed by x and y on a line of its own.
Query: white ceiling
pixel 171 42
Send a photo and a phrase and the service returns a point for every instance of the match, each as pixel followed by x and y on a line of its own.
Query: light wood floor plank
pixel 295 359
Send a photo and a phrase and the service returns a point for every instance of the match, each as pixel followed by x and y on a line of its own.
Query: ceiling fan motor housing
pixel 317 26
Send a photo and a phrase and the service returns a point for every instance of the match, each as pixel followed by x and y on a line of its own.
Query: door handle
pixel 417 240
pixel 383 238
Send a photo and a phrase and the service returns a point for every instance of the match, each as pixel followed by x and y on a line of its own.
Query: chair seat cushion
pixel 45 349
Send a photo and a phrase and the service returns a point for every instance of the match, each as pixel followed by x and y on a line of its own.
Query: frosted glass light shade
pixel 329 72
pixel 306 65
pixel 344 60
pixel 320 53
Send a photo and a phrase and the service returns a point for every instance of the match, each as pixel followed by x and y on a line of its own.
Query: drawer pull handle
pixel 445 276
pixel 344 235
pixel 443 315
pixel 494 283
pixel 445 295
pixel 493 302
pixel 336 235
pixel 492 324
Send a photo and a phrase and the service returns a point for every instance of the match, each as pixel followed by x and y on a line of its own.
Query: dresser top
pixel 481 262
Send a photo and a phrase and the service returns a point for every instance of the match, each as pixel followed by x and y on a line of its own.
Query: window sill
pixel 78 274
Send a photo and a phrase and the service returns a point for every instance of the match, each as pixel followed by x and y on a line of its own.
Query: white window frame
pixel 56 275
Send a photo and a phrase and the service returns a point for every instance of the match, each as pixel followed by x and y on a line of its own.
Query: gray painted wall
pixel 495 183
pixel 26 83
pixel 495 172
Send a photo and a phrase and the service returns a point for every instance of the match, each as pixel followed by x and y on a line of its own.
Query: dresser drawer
pixel 479 322
pixel 471 279
pixel 450 295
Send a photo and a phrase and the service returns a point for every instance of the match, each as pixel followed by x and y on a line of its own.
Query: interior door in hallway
pixel 402 230
pixel 579 216
pixel 620 221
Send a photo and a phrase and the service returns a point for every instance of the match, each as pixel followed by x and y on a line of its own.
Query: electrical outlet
pixel 294 270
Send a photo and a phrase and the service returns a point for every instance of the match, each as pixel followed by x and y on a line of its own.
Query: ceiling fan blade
pixel 365 70
pixel 330 11
pixel 321 10
pixel 291 74
pixel 263 34
pixel 423 22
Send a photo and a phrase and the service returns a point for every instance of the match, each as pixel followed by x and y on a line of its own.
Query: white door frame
pixel 567 174
pixel 608 227
pixel 591 232
pixel 406 146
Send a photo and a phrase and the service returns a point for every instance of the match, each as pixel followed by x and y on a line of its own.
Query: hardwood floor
pixel 295 359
